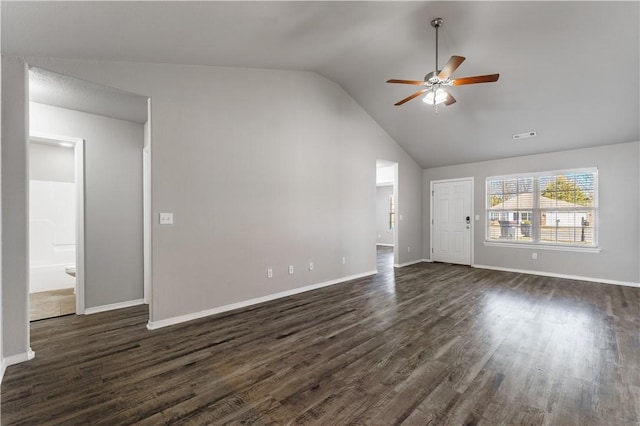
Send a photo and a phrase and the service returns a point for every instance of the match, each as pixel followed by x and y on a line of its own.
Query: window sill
pixel 542 247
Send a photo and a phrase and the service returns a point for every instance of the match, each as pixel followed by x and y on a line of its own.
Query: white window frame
pixel 535 243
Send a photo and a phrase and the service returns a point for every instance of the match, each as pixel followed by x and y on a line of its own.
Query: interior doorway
pixel 386 206
pixel 56 226
pixel 115 128
pixel 451 227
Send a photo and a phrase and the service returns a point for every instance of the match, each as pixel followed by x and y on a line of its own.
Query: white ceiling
pixel 568 70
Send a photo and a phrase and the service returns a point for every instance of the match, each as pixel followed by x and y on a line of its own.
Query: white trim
pixel 427 260
pixel 544 173
pixel 473 216
pixel 154 325
pixel 554 275
pixel 543 247
pixel 384 245
pixel 51 138
pixel 413 262
pixel 79 181
pixel 113 306
pixel 396 198
pixel 148 216
pixel 146 222
pixel 16 359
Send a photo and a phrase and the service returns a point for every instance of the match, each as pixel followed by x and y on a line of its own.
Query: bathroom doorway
pixel 114 127
pixel 56 218
pixel 386 210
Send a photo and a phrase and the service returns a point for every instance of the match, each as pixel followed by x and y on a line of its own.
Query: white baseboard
pixel 554 275
pixel 384 245
pixel 111 307
pixel 413 262
pixel 154 325
pixel 15 359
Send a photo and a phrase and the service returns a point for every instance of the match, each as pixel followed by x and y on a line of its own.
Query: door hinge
pixel 433 192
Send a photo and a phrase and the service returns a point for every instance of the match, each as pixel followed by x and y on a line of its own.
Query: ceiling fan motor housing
pixel 432 77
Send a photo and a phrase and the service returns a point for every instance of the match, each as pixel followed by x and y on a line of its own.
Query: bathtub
pixel 51 235
pixel 50 277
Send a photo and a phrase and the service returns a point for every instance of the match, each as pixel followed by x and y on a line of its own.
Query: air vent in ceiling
pixel 524 135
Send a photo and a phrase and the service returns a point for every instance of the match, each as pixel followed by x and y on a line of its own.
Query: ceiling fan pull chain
pixel 436 70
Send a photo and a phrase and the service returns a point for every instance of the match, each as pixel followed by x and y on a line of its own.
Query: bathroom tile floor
pixel 49 304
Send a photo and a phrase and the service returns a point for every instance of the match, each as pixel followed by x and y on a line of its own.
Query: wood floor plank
pixel 425 344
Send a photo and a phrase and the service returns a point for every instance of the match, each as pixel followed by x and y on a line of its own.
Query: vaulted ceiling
pixel 568 70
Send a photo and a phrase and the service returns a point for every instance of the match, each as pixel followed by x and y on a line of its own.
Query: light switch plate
pixel 166 218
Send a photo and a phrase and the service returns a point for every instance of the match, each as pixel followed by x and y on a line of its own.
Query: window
pixel 551 208
pixel 392 213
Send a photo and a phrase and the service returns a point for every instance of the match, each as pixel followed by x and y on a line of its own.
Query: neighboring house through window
pixel 549 208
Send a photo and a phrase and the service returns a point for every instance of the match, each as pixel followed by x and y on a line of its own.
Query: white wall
pixel 385 234
pixel 52 210
pixel 51 163
pixel 52 234
pixel 386 175
pixel 113 199
pixel 619 203
pixel 2 363
pixel 243 167
pixel 14 215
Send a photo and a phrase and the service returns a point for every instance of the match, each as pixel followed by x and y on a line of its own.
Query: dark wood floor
pixel 425 344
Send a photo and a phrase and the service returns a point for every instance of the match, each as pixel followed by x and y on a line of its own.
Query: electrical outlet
pixel 166 218
pixel 344 260
pixel 269 273
pixel 311 266
pixel 290 269
pixel 534 256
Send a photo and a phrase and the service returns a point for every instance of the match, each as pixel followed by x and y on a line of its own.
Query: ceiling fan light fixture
pixel 435 80
pixel 435 97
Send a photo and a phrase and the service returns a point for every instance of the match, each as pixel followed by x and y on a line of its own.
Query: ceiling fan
pixel 435 81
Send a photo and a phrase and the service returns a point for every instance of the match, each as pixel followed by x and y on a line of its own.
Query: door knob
pixel 468 219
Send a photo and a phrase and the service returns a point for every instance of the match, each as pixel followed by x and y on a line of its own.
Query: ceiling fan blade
pixel 408 98
pixel 489 78
pixel 450 99
pixel 417 83
pixel 450 67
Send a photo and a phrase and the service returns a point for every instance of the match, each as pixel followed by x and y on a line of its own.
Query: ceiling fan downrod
pixel 437 23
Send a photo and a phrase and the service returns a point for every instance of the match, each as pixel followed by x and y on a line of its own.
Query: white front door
pixel 452 221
